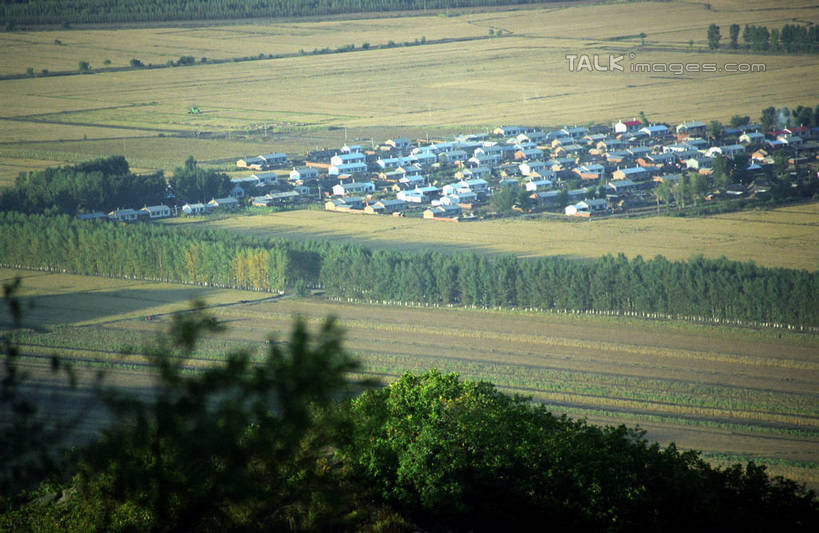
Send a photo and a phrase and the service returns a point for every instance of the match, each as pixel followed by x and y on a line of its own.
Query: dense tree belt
pixel 109 11
pixel 99 185
pixel 706 288
pixel 106 184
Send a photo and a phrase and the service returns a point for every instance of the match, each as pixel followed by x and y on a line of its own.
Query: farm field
pixel 736 394
pixel 433 89
pixel 782 237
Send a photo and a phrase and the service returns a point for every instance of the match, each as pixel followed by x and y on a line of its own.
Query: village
pixel 626 168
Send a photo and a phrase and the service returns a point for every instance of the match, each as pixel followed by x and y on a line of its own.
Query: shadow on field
pixel 40 312
pixel 381 239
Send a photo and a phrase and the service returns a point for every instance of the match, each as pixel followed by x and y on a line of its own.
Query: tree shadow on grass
pixel 45 311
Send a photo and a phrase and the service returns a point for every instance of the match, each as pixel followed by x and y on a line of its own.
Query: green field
pixel 735 394
pixel 782 237
pixel 437 88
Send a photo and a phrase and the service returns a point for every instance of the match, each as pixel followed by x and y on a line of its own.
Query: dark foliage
pixel 192 183
pixel 17 12
pixel 461 456
pixel 273 446
pixel 100 185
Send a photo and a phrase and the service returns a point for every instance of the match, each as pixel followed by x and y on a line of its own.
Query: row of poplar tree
pixel 708 288
pixel 104 11
pixel 792 38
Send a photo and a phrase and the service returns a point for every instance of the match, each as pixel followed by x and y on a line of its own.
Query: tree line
pixel 21 12
pixel 791 38
pixel 287 444
pixel 107 184
pixel 100 185
pixel 707 288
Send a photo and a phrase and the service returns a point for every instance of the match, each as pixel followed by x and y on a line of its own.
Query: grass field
pixel 782 237
pixel 735 394
pixel 431 89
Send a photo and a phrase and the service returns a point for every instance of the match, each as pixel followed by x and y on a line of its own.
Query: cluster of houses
pixel 158 212
pixel 151 212
pixel 581 171
pixel 559 169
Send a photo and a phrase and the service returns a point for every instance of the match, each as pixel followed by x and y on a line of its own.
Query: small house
pixel 728 151
pixel 632 173
pixel 283 198
pixel 588 208
pixel 194 209
pixel 354 187
pixel 402 144
pixel 690 128
pixel 508 131
pixel 157 211
pixel 444 212
pixel 655 131
pixel 124 215
pixel 265 178
pixel 223 203
pixel 304 174
pixel 538 185
pixel 253 163
pixel 386 207
pixel 345 204
pixel 751 138
pixel 350 169
pixel 346 158
pixel 627 126
pixel 274 160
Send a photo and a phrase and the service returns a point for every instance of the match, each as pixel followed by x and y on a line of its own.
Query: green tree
pixel 84 66
pixel 803 116
pixel 723 169
pixel 768 119
pixel 30 444
pixel 715 130
pixel 643 118
pixel 192 183
pixel 783 117
pixel 775 45
pixel 680 191
pixel 503 200
pixel 662 193
pixel 563 198
pixel 713 36
pixel 451 454
pixel 236 446
pixel 697 186
pixel 734 35
pixel 740 171
pixel 780 164
pixel 739 120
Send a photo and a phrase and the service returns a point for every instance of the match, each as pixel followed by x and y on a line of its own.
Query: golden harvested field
pixel 782 237
pixel 735 394
pixel 523 77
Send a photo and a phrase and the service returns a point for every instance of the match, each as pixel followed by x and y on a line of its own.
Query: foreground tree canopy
pixel 282 444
